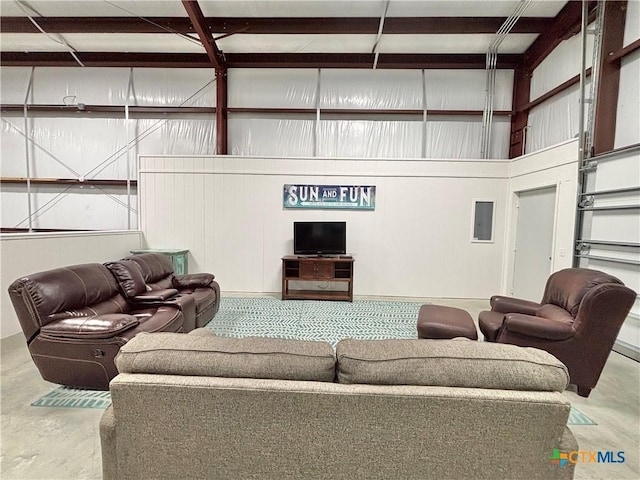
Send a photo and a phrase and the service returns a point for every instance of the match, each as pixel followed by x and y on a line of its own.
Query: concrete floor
pixel 64 443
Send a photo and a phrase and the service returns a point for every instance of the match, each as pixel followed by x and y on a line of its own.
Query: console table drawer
pixel 318 270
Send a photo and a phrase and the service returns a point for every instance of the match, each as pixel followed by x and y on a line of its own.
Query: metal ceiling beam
pixel 106 59
pixel 199 24
pixel 99 25
pixel 219 62
pixel 604 132
pixel 256 60
pixel 276 25
pixel 441 61
pixel 364 60
pixel 565 24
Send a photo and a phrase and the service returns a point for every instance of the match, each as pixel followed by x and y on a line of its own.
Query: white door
pixel 534 242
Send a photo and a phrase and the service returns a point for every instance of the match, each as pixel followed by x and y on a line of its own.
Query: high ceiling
pixel 264 33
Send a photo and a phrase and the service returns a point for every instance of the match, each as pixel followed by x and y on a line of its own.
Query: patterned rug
pixel 303 319
pixel 66 397
pixel 315 319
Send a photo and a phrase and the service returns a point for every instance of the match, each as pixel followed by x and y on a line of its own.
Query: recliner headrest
pixel 567 287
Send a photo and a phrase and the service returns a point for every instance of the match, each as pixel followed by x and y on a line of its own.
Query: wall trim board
pixel 34 235
pixel 327 167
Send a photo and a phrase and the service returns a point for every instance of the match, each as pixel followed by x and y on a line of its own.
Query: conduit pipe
pixel 491 62
pixel 130 145
pixel 26 143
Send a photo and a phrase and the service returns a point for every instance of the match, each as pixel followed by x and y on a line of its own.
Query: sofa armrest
pixel 568 443
pixel 513 305
pixel 538 327
pixel 99 326
pixel 155 295
pixel 193 280
pixel 108 438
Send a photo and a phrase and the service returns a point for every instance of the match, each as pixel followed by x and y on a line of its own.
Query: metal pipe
pixel 583 67
pixel 126 119
pixel 26 143
pixel 424 114
pixel 490 64
pixel 582 175
pixel 317 129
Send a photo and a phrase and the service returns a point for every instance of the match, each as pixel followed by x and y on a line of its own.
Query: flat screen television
pixel 319 238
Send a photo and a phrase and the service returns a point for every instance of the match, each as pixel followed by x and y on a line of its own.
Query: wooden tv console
pixel 314 269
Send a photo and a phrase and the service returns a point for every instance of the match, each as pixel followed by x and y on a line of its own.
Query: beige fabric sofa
pixel 200 406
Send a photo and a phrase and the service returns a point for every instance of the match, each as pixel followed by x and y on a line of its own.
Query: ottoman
pixel 439 322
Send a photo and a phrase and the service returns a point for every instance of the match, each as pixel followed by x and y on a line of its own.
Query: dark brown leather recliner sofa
pixel 75 320
pixel 149 278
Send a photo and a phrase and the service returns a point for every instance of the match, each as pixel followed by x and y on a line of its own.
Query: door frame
pixel 509 278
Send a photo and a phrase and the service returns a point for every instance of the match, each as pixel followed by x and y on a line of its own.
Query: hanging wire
pixel 118 153
pixel 162 27
pixel 29 11
pixel 32 140
pixel 379 35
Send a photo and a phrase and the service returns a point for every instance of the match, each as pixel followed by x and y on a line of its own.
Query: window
pixel 483 211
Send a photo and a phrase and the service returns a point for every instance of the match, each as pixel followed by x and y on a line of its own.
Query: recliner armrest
pixel 538 327
pixel 193 280
pixel 513 305
pixel 99 326
pixel 155 295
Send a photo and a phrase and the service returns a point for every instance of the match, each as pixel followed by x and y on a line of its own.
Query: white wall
pixel 554 166
pixel 22 254
pixel 228 212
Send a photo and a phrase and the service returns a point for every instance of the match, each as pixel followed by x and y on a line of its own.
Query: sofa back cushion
pixel 449 363
pixel 67 291
pixel 155 267
pixel 210 355
pixel 129 277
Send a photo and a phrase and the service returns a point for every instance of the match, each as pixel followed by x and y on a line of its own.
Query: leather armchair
pixel 154 276
pixel 75 321
pixel 577 321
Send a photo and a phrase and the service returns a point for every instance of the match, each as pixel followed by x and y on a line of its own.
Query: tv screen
pixel 319 238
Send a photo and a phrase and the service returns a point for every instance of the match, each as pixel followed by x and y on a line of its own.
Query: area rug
pixel 66 397
pixel 315 319
pixel 302 319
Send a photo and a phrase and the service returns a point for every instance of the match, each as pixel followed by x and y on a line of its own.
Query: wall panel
pixel 415 243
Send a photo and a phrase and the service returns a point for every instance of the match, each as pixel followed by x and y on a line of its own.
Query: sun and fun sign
pixel 353 197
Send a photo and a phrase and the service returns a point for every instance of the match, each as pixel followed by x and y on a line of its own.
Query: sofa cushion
pixel 211 355
pixel 154 267
pixel 554 312
pixel 128 276
pixel 193 280
pixel 452 363
pixel 96 326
